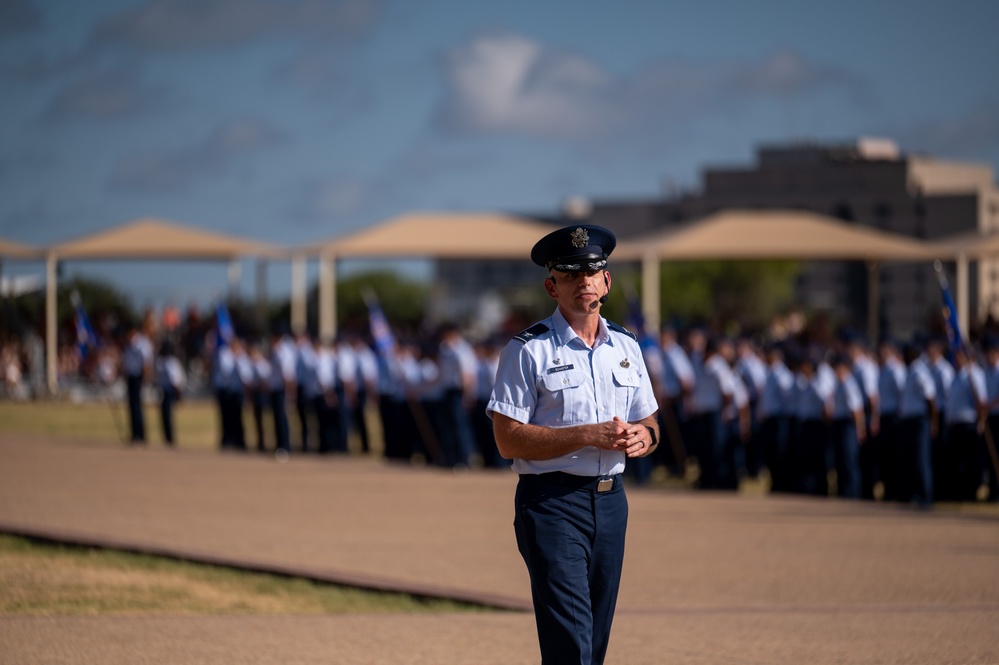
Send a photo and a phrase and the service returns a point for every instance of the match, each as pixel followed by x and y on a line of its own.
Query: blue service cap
pixel 581 247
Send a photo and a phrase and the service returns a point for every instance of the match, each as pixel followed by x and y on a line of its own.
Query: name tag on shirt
pixel 563 368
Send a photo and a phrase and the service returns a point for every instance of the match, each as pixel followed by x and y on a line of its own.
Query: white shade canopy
pixel 778 234
pixel 150 238
pixel 445 235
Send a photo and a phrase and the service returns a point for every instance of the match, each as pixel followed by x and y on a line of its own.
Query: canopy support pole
pixel 51 334
pixel 873 302
pixel 261 294
pixel 327 296
pixel 299 321
pixel 650 293
pixel 234 275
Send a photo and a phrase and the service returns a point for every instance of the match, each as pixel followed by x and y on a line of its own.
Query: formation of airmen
pixel 906 424
pixel 912 423
pixel 429 398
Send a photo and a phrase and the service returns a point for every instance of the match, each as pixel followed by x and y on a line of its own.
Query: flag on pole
pixel 86 338
pixel 949 311
pixel 381 333
pixel 224 332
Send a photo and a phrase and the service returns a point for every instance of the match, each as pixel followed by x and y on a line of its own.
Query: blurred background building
pixel 869 182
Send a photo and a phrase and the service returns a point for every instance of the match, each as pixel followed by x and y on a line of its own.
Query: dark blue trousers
pixel 810 450
pixel 572 540
pixel 914 451
pixel 281 435
pixel 846 450
pixel 167 399
pixel 710 439
pixel 133 385
pixel 774 434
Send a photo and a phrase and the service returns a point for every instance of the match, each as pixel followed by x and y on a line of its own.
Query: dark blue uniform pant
pixel 774 434
pixel 135 416
pixel 167 399
pixel 572 540
pixel 914 453
pixel 303 405
pixel 259 402
pixel 455 433
pixel 810 454
pixel 281 436
pixel 709 439
pixel 846 450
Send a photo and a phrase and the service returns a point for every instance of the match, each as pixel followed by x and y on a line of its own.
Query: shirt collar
pixel 566 334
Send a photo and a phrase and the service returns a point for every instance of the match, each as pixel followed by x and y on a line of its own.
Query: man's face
pixel 578 292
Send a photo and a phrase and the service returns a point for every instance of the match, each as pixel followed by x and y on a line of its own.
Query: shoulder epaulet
pixel 525 336
pixel 621 329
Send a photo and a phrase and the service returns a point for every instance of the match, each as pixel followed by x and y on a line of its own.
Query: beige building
pixel 870 183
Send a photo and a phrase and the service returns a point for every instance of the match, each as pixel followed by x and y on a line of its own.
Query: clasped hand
pixel 632 439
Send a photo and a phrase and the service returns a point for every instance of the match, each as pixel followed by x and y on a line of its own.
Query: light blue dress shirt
pixel 846 398
pixel 891 380
pixel 677 370
pixel 555 380
pixel 919 388
pixel 776 398
pixel 967 388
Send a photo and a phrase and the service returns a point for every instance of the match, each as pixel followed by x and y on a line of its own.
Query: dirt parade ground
pixel 709 578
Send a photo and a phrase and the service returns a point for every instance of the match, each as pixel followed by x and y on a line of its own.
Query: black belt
pixel 572 481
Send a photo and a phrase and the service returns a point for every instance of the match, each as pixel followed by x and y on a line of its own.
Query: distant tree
pixel 727 295
pixel 107 308
pixel 403 301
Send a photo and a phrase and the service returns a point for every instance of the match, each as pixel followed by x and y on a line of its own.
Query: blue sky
pixel 295 120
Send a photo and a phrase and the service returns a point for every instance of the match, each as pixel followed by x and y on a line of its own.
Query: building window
pixel 844 211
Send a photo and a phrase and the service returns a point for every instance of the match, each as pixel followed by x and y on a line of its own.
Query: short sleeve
pixel 515 390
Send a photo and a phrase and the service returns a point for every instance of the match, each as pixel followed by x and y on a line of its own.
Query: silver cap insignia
pixel 580 238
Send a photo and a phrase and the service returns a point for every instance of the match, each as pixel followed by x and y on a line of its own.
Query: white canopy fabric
pixel 10 249
pixel 465 235
pixel 150 238
pixel 146 238
pixel 769 234
pixel 440 235
pixel 778 234
pixel 973 245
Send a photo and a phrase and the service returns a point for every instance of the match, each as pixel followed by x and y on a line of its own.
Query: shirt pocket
pixel 625 385
pixel 561 402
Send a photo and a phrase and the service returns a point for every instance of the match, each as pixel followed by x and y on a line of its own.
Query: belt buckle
pixel 605 484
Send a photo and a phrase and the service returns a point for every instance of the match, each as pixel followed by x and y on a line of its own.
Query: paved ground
pixel 708 578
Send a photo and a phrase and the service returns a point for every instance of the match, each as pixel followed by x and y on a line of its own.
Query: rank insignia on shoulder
pixel 621 329
pixel 525 336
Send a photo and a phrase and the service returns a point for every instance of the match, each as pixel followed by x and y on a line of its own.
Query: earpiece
pixel 603 298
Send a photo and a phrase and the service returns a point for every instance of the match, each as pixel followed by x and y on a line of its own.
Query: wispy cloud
pixel 508 84
pixel 174 171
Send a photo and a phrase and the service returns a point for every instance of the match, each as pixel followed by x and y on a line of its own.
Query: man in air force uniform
pixel 571 403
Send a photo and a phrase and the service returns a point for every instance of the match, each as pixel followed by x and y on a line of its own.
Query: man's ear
pixel 550 287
